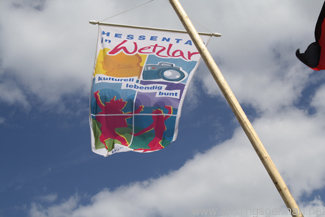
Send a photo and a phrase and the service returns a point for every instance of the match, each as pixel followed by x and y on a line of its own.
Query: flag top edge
pixel 151 28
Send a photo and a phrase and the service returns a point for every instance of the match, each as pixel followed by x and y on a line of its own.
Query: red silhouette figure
pixel 159 126
pixel 110 123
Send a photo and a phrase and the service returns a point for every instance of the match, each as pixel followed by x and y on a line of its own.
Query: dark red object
pixel 314 56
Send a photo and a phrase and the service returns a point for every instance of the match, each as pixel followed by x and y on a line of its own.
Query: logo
pixel 165 71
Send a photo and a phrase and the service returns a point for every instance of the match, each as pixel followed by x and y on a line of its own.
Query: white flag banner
pixel 139 83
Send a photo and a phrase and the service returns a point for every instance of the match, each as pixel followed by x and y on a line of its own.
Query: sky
pixel 47 52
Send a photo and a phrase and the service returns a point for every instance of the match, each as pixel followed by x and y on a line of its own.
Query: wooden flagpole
pixel 94 22
pixel 241 116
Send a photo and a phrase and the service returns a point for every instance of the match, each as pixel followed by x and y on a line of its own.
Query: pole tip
pixel 94 22
pixel 216 34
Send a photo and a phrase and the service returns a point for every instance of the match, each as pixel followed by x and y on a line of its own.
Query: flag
pixel 314 56
pixel 139 82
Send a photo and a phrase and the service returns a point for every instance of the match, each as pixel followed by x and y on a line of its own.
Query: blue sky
pixel 47 51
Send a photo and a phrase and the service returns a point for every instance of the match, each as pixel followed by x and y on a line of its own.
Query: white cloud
pixel 64 209
pixel 230 175
pixel 49 198
pixel 52 54
pixel 50 51
pixel 12 94
pixel 318 100
pixel 2 120
pixel 257 51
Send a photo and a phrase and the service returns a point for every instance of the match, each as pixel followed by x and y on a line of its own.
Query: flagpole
pixel 241 116
pixel 94 22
